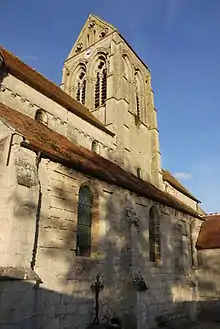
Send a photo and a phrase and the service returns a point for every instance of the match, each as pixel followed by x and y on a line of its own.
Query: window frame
pixel 86 249
pixel 100 86
pixel 154 236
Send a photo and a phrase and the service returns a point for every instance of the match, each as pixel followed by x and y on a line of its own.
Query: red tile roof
pixel 37 81
pixel 168 177
pixel 59 149
pixel 209 235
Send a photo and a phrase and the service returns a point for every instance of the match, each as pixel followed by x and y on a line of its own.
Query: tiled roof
pixel 59 149
pixel 37 81
pixel 209 235
pixel 168 177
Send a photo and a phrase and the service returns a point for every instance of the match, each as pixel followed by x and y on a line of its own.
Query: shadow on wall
pixel 122 254
pixel 25 305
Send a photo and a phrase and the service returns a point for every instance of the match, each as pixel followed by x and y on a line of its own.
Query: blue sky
pixel 177 39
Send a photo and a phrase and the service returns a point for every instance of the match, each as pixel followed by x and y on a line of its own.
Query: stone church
pixel 83 193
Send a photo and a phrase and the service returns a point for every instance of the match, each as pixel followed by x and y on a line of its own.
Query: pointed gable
pixel 93 30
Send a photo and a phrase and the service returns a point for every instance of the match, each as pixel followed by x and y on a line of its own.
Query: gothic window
pixel 84 222
pixel 127 69
pixel 81 85
pixel 137 93
pixel 101 83
pixel 154 236
pixel 41 116
pixel 179 247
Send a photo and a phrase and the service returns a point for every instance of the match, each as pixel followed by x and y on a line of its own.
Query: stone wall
pixel 25 99
pixel 137 134
pixel 39 231
pixel 208 278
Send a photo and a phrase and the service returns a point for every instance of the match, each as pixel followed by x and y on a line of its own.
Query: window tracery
pixel 137 93
pixel 81 85
pixel 101 83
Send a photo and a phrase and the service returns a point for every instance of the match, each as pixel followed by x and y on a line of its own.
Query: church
pixel 83 194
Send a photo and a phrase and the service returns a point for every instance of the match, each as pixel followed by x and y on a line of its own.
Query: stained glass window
pixel 83 242
pixel 154 236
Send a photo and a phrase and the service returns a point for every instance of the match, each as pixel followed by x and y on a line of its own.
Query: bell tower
pixel 106 75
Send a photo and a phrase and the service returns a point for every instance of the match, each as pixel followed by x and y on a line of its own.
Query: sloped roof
pixel 209 235
pixel 37 81
pixel 59 149
pixel 168 177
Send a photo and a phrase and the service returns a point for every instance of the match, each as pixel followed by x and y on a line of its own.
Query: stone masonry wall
pixel 120 251
pixel 21 97
pixel 208 279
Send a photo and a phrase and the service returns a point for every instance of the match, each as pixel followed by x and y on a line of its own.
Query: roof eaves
pixel 168 177
pixel 165 198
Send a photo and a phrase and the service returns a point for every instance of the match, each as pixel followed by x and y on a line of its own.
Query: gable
pixel 93 30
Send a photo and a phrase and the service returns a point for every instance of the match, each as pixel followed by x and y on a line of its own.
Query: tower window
pixel 97 90
pixel 101 83
pixel 81 86
pixel 137 106
pixel 137 79
pixel 104 87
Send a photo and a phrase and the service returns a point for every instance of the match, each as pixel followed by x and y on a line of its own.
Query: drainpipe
pixel 9 149
pixel 38 213
pixel 10 146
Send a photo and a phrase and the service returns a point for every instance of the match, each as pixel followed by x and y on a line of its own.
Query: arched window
pixel 95 147
pixel 81 85
pixel 139 172
pixel 84 222
pixel 137 93
pixel 101 83
pixel 41 116
pixel 126 68
pixel 154 235
pixel 94 35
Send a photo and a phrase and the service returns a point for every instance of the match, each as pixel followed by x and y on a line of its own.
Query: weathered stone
pixel 39 203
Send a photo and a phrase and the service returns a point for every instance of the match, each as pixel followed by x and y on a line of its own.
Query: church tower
pixel 105 74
